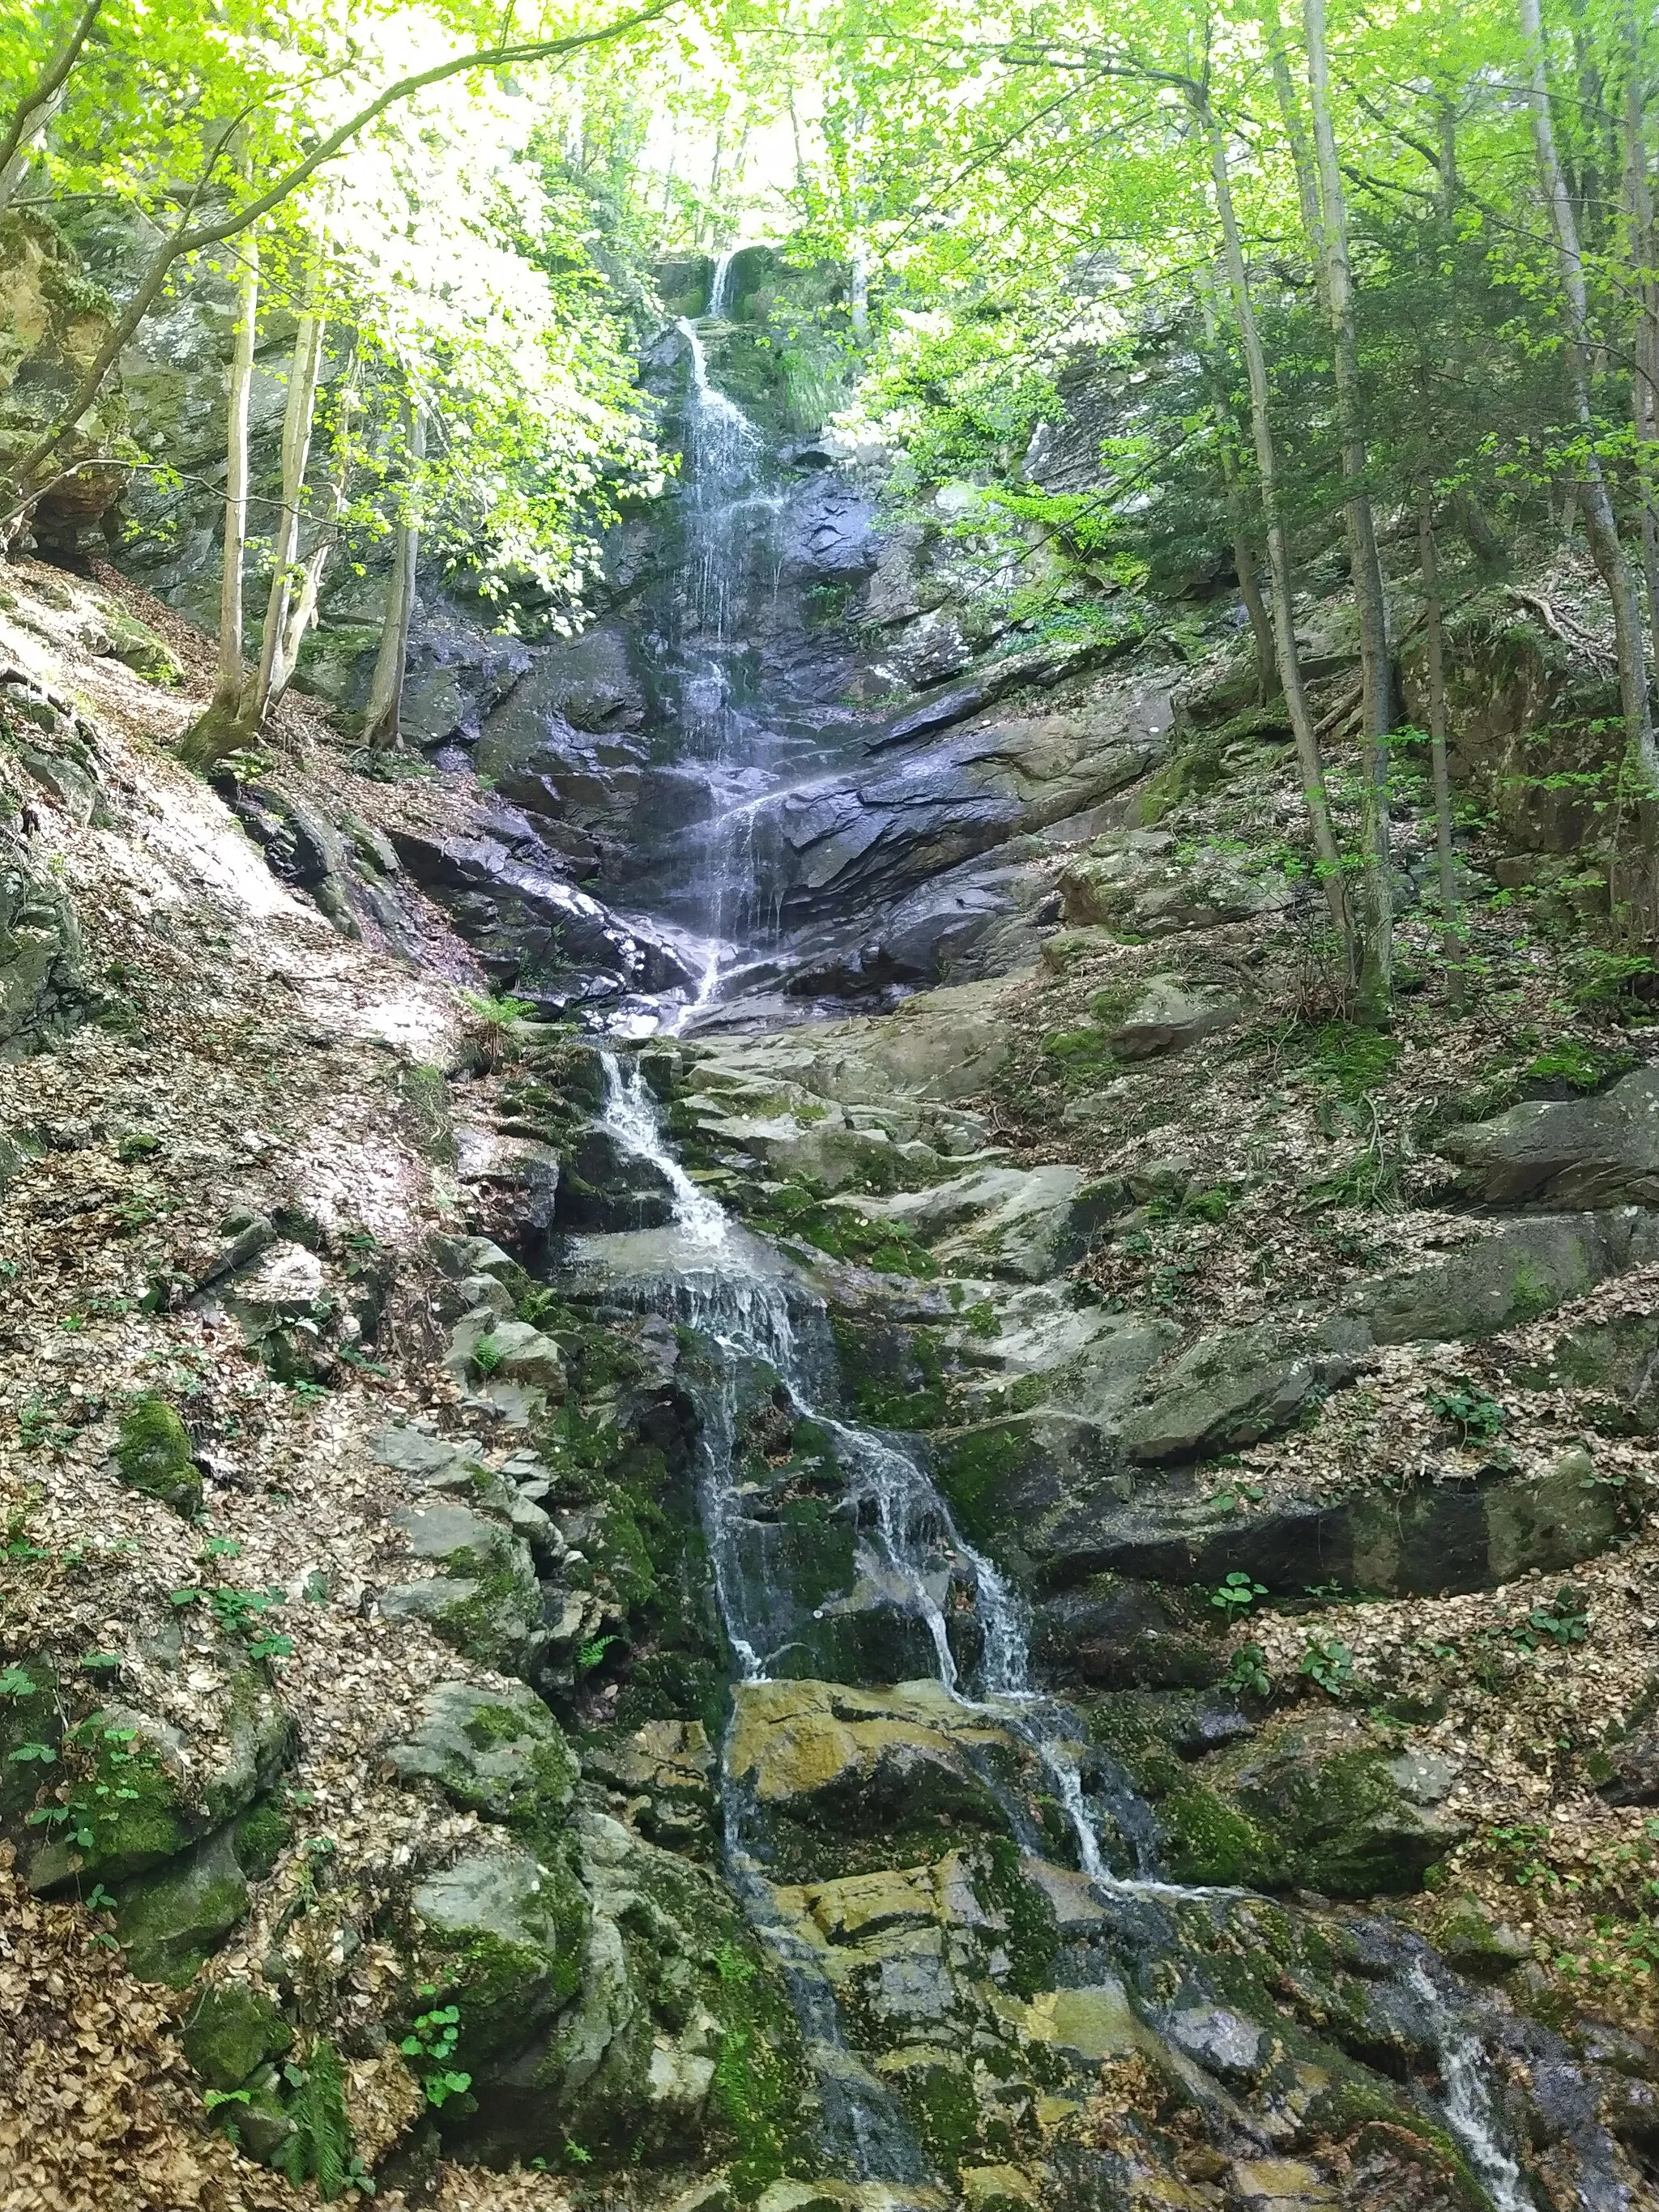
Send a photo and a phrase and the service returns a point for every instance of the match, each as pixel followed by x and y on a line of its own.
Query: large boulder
pixel 1598 1151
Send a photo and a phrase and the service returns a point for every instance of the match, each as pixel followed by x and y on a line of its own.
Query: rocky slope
pixel 519 1570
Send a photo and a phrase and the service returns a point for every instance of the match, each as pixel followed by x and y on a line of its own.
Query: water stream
pixel 967 1630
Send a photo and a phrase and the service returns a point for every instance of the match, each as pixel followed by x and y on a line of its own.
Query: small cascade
pixel 1467 2100
pixel 720 291
pixel 745 1316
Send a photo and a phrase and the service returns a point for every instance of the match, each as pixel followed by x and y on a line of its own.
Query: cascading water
pixel 721 1287
pixel 745 1314
pixel 950 1614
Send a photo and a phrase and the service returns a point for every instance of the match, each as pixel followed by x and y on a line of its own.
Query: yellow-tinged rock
pixel 1279 2184
pixel 863 1903
pixel 1097 2023
pixel 998 2189
pixel 801 1740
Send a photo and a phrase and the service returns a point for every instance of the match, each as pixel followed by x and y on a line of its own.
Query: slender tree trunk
pixel 1645 381
pixel 385 692
pixel 1296 135
pixel 213 731
pixel 1370 600
pixel 39 103
pixel 303 612
pixel 1600 525
pixel 1328 858
pixel 303 373
pixel 1241 523
pixel 1451 917
pixel 859 292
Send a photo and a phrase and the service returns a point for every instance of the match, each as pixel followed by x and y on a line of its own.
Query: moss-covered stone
pixel 1207 1840
pixel 170 1921
pixel 496 1753
pixel 498 1935
pixel 152 1455
pixel 230 2031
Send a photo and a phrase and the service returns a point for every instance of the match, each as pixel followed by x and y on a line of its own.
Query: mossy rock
pixel 495 1753
pixel 170 1923
pixel 1207 1841
pixel 30 1714
pixel 138 647
pixel 152 1455
pixel 499 1935
pixel 230 2031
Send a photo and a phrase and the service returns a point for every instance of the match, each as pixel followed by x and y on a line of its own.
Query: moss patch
pixel 152 1455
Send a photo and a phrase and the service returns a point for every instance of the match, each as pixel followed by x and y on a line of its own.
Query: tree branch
pixel 36 105
pixel 183 241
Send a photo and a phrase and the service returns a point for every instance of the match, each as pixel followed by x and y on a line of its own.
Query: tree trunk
pixel 1240 520
pixel 859 292
pixel 1600 525
pixel 1328 858
pixel 271 679
pixel 303 612
pixel 214 733
pixel 1377 974
pixel 1644 380
pixel 1295 136
pixel 385 692
pixel 39 103
pixel 1451 917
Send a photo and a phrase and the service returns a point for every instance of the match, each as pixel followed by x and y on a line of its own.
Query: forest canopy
pixel 1396 268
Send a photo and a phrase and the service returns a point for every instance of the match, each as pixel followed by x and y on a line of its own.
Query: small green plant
pixel 1248 1672
pixel 493 1018
pixel 486 1354
pixel 307 1393
pixel 1607 980
pixel 576 2155
pixel 1561 1619
pixel 431 2043
pixel 1237 1593
pixel 16 1683
pixel 1236 1497
pixel 589 1655
pixel 1467 1408
pixel 1329 1661
pixel 319 2147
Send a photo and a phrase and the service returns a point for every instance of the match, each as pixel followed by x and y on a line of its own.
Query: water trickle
pixel 1467 2100
pixel 720 291
pixel 720 1290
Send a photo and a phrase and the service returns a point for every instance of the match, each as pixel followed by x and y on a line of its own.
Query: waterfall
pixel 729 515
pixel 745 1316
pixel 720 289
pixel 1467 2100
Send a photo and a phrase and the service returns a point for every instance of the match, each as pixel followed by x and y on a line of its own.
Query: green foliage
pixel 319 2147
pixel 1560 1619
pixel 1468 1409
pixel 431 2044
pixel 1237 1593
pixel 1248 1672
pixel 1584 1066
pixel 1329 1661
